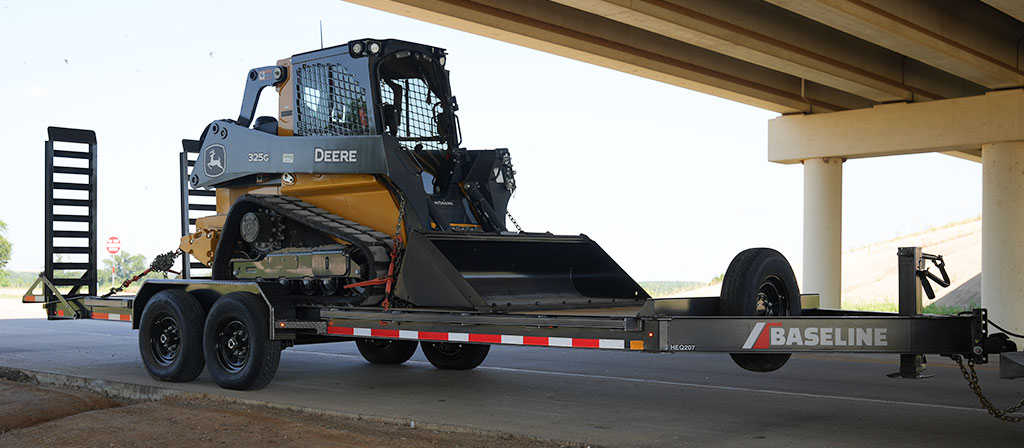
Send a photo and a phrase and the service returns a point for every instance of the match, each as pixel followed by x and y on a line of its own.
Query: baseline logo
pixel 773 334
pixel 334 155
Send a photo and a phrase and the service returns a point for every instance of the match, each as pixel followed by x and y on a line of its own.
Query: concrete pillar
pixel 823 229
pixel 1002 234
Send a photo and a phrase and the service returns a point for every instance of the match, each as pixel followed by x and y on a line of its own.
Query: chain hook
pixel 972 379
pixel 161 263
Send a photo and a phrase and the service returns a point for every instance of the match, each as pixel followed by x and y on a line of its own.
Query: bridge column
pixel 1002 233
pixel 823 228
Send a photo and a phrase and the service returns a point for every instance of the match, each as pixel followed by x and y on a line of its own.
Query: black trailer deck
pixel 659 325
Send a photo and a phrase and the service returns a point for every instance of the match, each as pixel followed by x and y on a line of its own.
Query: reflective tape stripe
pixel 612 344
pixel 107 316
pixel 508 339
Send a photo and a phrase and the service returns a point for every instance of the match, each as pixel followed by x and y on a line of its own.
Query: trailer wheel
pixel 171 336
pixel 453 355
pixel 760 282
pixel 236 343
pixel 386 351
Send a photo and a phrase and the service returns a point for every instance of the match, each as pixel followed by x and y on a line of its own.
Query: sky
pixel 671 182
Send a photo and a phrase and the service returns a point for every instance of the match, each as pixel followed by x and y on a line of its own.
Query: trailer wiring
pixel 972 379
pixel 1005 330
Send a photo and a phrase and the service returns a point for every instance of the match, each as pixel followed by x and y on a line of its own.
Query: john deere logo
pixel 214 164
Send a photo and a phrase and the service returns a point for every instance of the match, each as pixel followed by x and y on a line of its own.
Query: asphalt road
pixel 599 397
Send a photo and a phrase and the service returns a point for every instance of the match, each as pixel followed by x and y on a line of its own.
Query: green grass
pixel 662 288
pixel 892 308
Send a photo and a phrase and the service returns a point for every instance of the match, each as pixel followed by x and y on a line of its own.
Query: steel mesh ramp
pixel 70 251
pixel 195 203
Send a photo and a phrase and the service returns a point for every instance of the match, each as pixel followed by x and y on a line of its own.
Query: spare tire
pixel 760 282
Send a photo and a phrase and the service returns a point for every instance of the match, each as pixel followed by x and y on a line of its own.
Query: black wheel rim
pixel 233 344
pixel 771 298
pixel 448 349
pixel 164 339
pixel 379 344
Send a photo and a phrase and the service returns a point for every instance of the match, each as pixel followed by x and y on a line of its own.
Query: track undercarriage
pixel 307 249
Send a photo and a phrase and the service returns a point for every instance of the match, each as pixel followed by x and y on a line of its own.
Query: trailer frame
pixel 659 325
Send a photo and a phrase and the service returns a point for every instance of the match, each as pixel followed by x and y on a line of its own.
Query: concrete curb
pixel 138 393
pixel 109 389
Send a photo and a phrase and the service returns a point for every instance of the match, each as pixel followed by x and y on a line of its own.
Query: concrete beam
pixel 580 35
pixel 975 43
pixel 768 36
pixel 973 156
pixel 1012 8
pixel 959 124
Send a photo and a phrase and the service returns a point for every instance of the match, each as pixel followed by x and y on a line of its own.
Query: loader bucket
pixel 512 272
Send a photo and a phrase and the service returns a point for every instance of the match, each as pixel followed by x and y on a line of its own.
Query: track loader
pixel 358 191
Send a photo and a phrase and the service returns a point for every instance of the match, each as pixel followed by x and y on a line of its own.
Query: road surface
pixel 598 397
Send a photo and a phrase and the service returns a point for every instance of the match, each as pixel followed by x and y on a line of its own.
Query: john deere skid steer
pixel 358 191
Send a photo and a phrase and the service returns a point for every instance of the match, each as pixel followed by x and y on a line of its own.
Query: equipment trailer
pixel 355 216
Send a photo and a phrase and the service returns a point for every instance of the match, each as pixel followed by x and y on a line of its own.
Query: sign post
pixel 113 247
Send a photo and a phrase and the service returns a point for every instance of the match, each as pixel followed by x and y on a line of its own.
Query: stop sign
pixel 113 245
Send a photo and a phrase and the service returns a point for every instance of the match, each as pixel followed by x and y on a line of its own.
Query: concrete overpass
pixel 852 78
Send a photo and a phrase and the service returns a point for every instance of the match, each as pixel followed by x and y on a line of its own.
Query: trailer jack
pixel 913 278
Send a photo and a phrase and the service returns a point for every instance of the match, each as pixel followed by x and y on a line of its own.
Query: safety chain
pixel 401 217
pixel 161 263
pixel 972 379
pixel 519 229
pixel 396 252
pixel 388 281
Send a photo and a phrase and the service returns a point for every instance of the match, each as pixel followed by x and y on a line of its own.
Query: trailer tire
pixel 171 336
pixel 454 355
pixel 386 351
pixel 236 343
pixel 760 282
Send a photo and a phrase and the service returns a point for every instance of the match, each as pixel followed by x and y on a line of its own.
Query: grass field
pixel 11 293
pixel 892 307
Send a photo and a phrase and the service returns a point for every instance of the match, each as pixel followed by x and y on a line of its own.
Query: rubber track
pixel 377 245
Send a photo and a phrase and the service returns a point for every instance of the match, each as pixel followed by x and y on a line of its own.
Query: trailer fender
pixel 205 291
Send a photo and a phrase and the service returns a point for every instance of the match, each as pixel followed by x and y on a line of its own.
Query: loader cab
pixel 381 87
pixel 376 87
pixel 400 90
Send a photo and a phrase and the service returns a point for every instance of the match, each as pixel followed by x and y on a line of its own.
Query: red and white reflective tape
pixel 105 316
pixel 543 341
pixel 33 299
